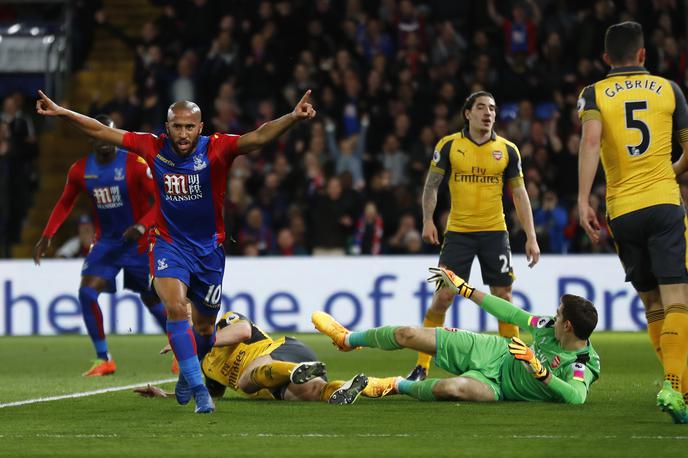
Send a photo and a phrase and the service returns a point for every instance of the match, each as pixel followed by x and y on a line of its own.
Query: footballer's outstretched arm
pixel 495 306
pixel 502 310
pixel 271 130
pixel 87 125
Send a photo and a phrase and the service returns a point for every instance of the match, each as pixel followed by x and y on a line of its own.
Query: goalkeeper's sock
pixel 655 322
pixel 507 330
pixel 674 343
pixel 273 374
pixel 203 343
pixel 382 338
pixel 330 388
pixel 418 390
pixel 93 319
pixel 433 319
pixel 183 344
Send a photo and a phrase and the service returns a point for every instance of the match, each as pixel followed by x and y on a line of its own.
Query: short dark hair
pixel 581 313
pixel 470 101
pixel 623 40
pixel 105 119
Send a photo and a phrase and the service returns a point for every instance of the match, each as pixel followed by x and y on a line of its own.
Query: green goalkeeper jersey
pixel 572 371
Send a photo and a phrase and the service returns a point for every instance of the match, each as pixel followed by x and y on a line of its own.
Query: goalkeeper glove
pixel 443 277
pixel 523 352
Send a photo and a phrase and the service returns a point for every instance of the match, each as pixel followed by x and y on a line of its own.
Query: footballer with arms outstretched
pixel 187 258
pixel 559 366
pixel 247 360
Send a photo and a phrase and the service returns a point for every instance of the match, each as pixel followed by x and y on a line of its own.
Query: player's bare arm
pixel 681 165
pixel 233 334
pixel 525 215
pixel 134 232
pixel 39 250
pixel 89 126
pixel 271 130
pixel 588 160
pixel 432 185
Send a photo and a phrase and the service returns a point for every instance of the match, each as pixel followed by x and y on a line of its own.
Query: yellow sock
pixel 674 343
pixel 272 374
pixel 330 388
pixel 432 320
pixel 655 322
pixel 507 329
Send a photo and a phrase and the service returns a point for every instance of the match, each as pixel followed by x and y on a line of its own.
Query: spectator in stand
pixel 348 155
pixel 331 222
pixel 124 103
pixel 79 245
pixel 397 243
pixel 369 232
pixel 256 232
pixel 395 160
pixel 520 31
pixel 5 189
pixel 550 220
pixel 402 62
pixel 286 245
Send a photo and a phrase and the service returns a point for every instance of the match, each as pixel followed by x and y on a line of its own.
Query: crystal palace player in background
pixel 121 189
pixel 190 175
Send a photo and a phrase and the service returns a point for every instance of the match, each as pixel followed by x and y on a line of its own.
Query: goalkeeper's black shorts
pixel 651 243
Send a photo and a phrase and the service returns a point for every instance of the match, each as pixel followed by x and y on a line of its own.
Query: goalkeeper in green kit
pixel 559 366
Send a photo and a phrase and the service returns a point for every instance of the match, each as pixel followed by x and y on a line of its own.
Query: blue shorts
pixel 108 257
pixel 201 274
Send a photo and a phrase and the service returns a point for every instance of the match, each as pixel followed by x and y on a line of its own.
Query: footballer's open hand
pixel 152 391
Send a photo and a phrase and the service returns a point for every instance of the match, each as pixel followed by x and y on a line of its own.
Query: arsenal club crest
pixel 497 155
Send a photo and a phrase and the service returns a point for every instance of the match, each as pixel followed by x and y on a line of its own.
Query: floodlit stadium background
pixel 388 80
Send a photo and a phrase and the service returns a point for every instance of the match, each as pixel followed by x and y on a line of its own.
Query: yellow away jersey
pixel 226 364
pixel 477 174
pixel 639 113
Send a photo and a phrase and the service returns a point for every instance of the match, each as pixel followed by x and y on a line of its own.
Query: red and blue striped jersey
pixel 120 191
pixel 190 190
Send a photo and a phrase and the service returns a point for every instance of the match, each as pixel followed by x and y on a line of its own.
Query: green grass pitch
pixel 619 419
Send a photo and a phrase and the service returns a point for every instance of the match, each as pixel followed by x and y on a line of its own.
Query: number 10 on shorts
pixel 214 294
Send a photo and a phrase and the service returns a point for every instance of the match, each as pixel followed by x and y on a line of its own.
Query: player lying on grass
pixel 247 360
pixel 559 366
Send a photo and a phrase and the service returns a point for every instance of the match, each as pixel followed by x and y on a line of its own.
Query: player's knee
pixel 176 309
pixel 444 298
pixel 450 390
pixel 405 335
pixel 503 293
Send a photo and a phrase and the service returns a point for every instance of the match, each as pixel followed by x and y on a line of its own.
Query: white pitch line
pixel 85 393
